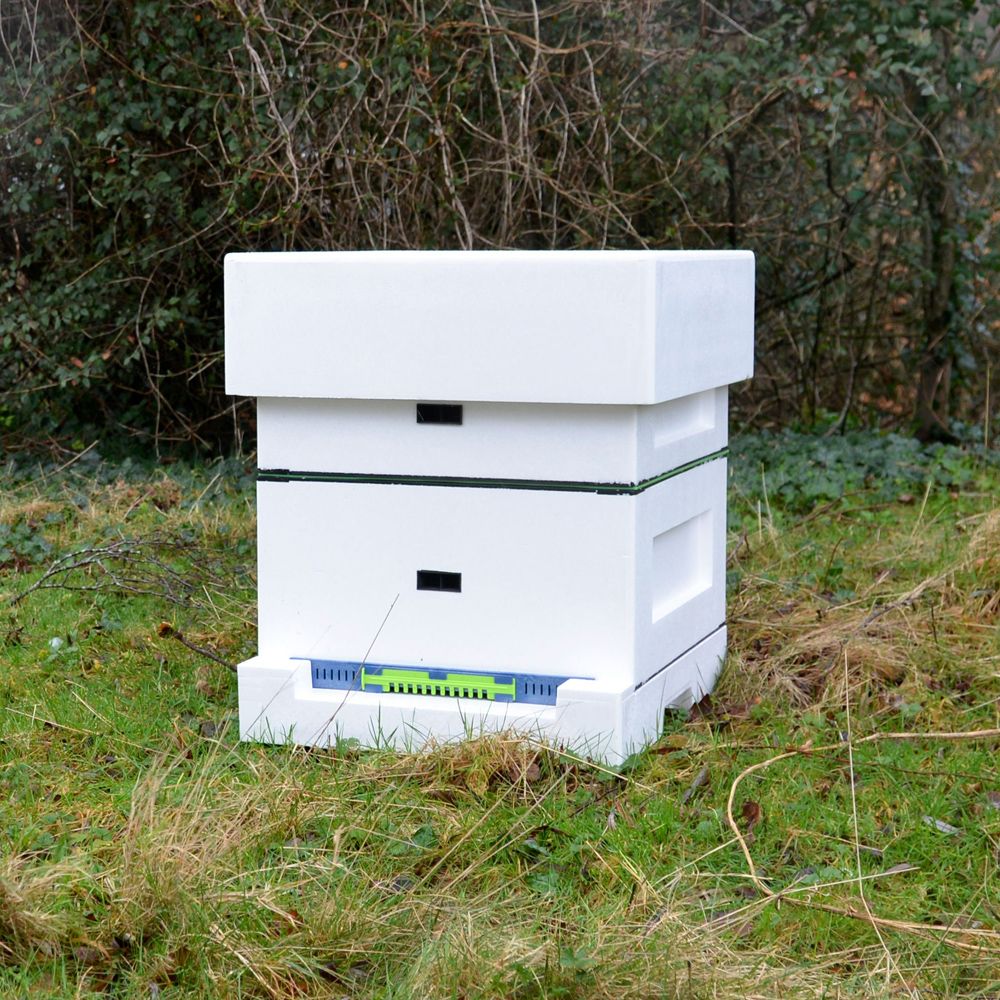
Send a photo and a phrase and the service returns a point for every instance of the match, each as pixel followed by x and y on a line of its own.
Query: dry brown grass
pixel 896 634
pixel 216 878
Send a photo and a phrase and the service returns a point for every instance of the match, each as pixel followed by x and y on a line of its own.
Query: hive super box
pixel 492 489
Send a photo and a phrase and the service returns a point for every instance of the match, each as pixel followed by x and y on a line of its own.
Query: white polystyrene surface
pixel 495 440
pixel 552 583
pixel 547 581
pixel 704 322
pixel 601 444
pixel 633 327
pixel 278 704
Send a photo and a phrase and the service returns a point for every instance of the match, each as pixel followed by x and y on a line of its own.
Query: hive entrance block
pixel 527 689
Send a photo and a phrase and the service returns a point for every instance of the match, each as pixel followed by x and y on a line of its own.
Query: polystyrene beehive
pixel 491 489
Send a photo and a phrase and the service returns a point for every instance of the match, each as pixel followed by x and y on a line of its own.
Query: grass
pixel 145 852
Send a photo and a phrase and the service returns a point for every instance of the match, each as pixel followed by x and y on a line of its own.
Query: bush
pixel 849 145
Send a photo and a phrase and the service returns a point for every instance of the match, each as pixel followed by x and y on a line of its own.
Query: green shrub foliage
pixel 850 145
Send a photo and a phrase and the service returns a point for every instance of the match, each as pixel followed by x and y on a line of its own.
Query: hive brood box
pixel 491 489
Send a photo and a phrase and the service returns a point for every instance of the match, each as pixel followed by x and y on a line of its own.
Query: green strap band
pixel 554 485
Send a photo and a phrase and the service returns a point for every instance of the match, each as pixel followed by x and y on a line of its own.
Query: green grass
pixel 145 852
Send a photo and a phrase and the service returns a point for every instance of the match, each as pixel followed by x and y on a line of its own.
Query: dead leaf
pixel 619 814
pixel 903 866
pixel 442 795
pixel 286 922
pixel 725 713
pixel 671 744
pixel 477 782
pixel 655 920
pixel 740 710
pixel 699 780
pixel 702 709
pixel 941 826
pixel 994 799
pixel 752 814
pixel 731 919
pixel 88 955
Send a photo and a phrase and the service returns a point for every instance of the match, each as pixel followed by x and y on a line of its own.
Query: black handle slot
pixel 439 413
pixel 432 579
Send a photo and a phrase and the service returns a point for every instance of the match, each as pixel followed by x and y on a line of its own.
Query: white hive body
pixel 491 491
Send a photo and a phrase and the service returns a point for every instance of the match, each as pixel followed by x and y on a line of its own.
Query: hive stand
pixel 491 489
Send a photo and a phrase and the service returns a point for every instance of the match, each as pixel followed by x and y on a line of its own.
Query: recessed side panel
pixel 679 431
pixel 489 440
pixel 547 579
pixel 680 565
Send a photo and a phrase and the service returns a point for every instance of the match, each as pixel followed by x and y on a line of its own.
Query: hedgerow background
pixel 850 144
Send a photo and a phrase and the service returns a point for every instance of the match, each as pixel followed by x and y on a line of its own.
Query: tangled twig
pixel 129 565
pixel 167 631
